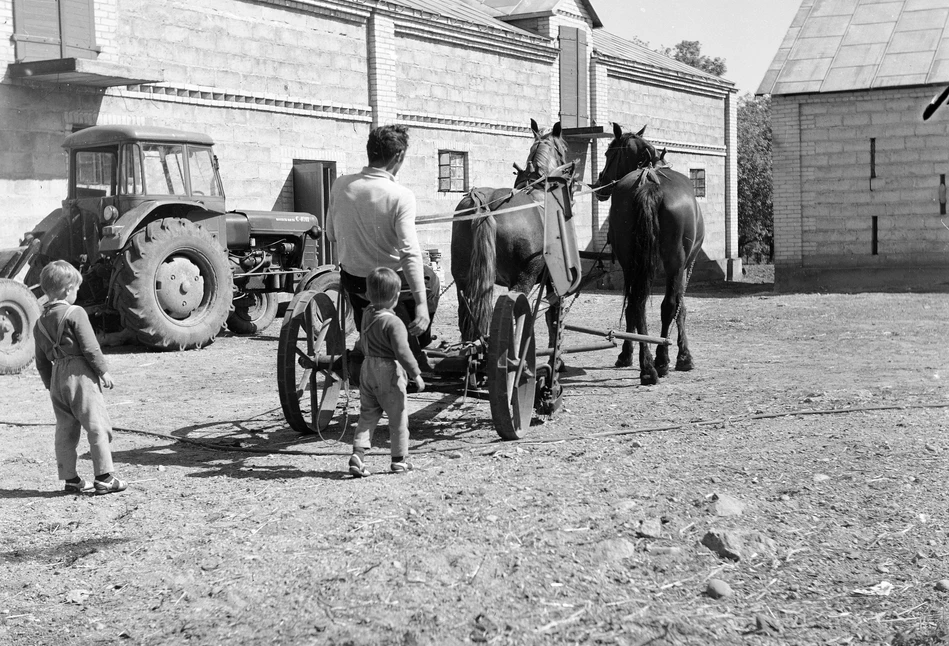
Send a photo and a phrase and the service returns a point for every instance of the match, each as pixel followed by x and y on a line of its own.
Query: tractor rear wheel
pixel 174 285
pixel 253 313
pixel 19 311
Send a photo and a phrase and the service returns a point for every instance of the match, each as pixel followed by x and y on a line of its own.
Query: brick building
pixel 284 84
pixel 859 176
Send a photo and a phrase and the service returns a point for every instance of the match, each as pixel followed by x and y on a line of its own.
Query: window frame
pixel 74 172
pixel 693 171
pixel 444 170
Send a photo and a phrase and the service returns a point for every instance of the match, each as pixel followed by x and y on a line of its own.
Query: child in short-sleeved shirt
pixel 72 368
pixel 384 374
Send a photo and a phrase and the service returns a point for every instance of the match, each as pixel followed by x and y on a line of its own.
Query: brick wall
pixel 825 199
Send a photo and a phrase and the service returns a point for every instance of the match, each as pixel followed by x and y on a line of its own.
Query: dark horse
pixel 506 250
pixel 654 218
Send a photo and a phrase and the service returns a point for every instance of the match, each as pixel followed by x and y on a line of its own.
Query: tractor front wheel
pixel 253 313
pixel 19 311
pixel 174 285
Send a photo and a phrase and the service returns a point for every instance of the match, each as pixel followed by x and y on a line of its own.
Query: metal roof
pixel 110 135
pixel 515 8
pixel 611 45
pixel 839 45
pixel 470 11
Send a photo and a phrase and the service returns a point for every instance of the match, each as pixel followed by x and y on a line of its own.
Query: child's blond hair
pixel 57 277
pixel 382 285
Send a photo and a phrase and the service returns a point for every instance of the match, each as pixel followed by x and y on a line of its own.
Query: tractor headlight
pixel 109 213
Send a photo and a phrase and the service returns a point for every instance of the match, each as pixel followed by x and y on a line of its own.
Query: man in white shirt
pixel 371 218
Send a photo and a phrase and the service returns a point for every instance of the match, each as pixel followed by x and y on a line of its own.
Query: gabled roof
pixel 839 45
pixel 523 8
pixel 611 45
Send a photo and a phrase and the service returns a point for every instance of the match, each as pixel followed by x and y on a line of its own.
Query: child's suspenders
pixel 57 350
pixel 375 320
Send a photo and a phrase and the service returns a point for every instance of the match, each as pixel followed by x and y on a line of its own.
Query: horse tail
pixel 645 253
pixel 482 270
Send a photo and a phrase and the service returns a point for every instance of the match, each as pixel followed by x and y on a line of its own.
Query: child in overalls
pixel 384 374
pixel 72 368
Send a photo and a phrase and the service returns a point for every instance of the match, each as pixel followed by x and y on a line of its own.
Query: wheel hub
pixel 11 325
pixel 179 286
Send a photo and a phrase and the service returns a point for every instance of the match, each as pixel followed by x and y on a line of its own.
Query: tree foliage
pixel 690 53
pixel 755 206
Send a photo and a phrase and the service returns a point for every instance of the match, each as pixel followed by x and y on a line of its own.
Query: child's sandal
pixel 356 467
pixel 112 485
pixel 83 486
pixel 402 467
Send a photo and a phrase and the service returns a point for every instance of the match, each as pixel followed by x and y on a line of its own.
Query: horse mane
pixel 558 144
pixel 627 137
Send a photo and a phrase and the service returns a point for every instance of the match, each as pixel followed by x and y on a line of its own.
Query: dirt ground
pixel 799 471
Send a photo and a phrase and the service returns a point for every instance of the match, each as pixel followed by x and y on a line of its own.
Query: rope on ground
pixel 494 446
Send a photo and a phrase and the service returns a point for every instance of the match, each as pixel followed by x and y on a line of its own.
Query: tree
pixel 690 53
pixel 755 206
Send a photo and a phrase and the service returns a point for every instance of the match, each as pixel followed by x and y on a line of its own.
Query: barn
pixel 291 88
pixel 859 175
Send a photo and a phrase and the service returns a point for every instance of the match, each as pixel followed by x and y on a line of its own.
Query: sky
pixel 746 33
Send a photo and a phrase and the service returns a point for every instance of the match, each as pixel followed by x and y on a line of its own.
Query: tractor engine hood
pixel 278 222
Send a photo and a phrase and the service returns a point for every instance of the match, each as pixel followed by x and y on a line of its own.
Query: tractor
pixel 162 258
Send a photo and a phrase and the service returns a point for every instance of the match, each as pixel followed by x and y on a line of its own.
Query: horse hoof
pixel 649 378
pixel 684 365
pixel 624 362
pixel 663 370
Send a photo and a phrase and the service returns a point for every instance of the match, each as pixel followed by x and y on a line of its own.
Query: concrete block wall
pixel 248 49
pixel 441 81
pixel 825 199
pixel 668 114
pixel 8 51
pixel 258 82
pixel 33 168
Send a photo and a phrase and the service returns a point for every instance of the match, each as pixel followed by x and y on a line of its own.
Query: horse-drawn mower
pixel 313 356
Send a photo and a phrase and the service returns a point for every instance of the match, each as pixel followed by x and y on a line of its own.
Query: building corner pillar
pixel 381 49
pixel 732 252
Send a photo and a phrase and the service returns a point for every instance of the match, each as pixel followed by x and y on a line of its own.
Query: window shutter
pixel 573 78
pixel 583 115
pixel 568 77
pixel 36 30
pixel 78 29
pixel 51 29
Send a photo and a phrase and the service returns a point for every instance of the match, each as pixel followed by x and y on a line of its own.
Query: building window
pixel 452 171
pixel 697 175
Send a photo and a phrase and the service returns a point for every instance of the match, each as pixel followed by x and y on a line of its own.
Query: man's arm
pixel 410 258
